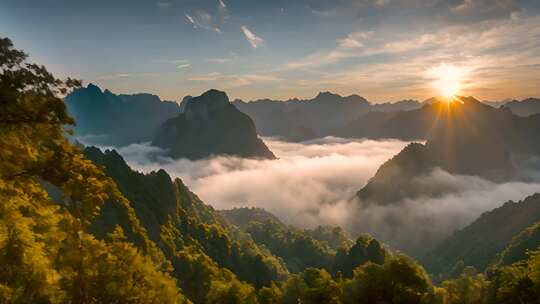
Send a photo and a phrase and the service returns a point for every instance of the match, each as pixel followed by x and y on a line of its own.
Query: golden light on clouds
pixel 447 80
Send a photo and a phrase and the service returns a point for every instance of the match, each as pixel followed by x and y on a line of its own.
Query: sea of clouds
pixel 314 183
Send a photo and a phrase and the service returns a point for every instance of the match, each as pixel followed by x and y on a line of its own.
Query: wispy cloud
pixel 466 4
pixel 254 40
pixel 202 20
pixel 172 61
pixel 219 60
pixel 226 59
pixel 164 4
pixel 223 10
pixel 120 76
pixel 113 76
pixel 393 63
pixel 205 77
pixel 234 80
pixel 179 63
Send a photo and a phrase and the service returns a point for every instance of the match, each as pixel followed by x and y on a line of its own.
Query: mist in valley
pixel 314 183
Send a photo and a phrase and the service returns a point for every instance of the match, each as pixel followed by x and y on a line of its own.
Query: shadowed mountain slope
pixel 211 125
pixel 117 120
pixel 463 137
pixel 482 241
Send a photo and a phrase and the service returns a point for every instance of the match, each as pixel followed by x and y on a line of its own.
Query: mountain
pixel 316 117
pixel 522 244
pixel 525 107
pixel 117 120
pixel 326 247
pixel 461 139
pixel 184 228
pixel 211 125
pixel 334 237
pixel 480 243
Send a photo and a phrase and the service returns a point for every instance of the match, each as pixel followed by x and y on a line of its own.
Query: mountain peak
pixel 208 101
pixel 211 125
pixel 327 94
pixel 459 99
pixel 94 88
pixel 327 97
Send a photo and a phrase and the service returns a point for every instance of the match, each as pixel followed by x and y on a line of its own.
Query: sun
pixel 447 80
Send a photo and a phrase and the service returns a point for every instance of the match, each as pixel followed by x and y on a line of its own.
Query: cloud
pixel 235 80
pixel 391 64
pixel 114 76
pixel 254 40
pixel 220 60
pixel 314 183
pixel 415 225
pixel 223 10
pixel 222 4
pixel 202 20
pixel 382 2
pixel 183 65
pixel 164 4
pixel 206 77
pixel 305 177
pixel 172 61
pixel 463 6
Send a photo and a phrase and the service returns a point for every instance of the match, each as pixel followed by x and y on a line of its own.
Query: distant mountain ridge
pixel 210 125
pixel 117 120
pixel 320 116
pixel 525 107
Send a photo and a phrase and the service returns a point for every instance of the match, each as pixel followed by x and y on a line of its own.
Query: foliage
pixel 177 219
pixel 46 253
pixel 334 237
pixel 298 250
pixel 527 240
pixel 366 249
pixel 468 288
pixel 480 243
pixel 518 283
pixel 311 286
pixel 398 280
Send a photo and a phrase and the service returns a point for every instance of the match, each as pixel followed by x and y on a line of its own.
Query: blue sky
pixel 385 50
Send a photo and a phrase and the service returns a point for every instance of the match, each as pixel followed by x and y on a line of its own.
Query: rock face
pixel 211 125
pixel 117 120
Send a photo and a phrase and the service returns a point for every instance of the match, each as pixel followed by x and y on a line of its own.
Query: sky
pixel 383 50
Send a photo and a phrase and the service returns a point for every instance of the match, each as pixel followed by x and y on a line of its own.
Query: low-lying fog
pixel 313 183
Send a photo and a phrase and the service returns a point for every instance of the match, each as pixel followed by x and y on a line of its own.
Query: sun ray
pixel 447 80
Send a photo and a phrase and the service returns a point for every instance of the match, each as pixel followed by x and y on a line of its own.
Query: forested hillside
pixel 480 243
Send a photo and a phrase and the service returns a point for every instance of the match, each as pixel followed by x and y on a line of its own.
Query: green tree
pixel 469 287
pixel 398 280
pixel 519 282
pixel 312 286
pixel 46 253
